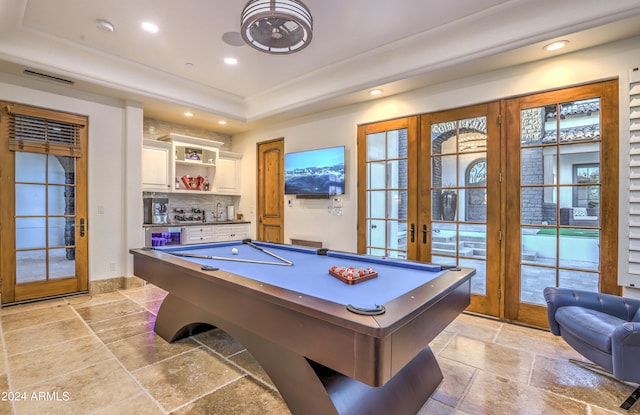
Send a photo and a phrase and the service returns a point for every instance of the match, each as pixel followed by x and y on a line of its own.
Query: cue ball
pixel 234 251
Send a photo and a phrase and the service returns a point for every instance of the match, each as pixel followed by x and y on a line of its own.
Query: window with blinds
pixel 36 134
pixel 633 233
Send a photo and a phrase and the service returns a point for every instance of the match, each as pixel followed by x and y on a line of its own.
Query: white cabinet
pixel 228 169
pixel 232 232
pixel 198 234
pixel 194 163
pixel 195 234
pixel 156 166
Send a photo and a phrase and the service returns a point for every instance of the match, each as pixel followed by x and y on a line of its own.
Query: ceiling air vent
pixel 47 77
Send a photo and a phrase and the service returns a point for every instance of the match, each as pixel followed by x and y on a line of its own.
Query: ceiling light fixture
pixel 188 114
pixel 150 27
pixel 556 45
pixel 231 61
pixel 375 92
pixel 105 26
pixel 222 122
pixel 276 26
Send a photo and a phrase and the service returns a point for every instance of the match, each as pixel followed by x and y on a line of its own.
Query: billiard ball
pixel 234 251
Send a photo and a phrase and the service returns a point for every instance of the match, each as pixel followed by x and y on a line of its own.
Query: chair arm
pixel 625 352
pixel 623 308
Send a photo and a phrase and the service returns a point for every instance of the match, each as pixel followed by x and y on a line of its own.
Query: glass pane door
pixel 387 193
pixel 460 203
pixel 45 217
pixel 560 198
pixel 387 188
pixel 459 196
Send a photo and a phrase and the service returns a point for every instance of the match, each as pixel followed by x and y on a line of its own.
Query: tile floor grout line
pixel 115 318
pixel 69 301
pixel 120 315
pixel 129 374
pixel 467 389
pixel 165 359
pixel 48 345
pixel 246 371
pixel 39 324
pixel 214 390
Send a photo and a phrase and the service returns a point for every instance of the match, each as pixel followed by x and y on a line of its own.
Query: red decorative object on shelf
pixel 193 183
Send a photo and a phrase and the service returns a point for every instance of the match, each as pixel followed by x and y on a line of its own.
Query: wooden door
pixel 460 197
pixel 270 206
pixel 43 209
pixel 561 196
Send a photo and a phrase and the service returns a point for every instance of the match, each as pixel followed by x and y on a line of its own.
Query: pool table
pixel 330 347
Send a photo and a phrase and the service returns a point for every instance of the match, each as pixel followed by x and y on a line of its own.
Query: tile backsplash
pixel 214 206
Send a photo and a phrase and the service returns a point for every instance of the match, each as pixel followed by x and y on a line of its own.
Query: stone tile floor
pixel 99 355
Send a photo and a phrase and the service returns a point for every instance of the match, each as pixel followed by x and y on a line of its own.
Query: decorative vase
pixel 449 204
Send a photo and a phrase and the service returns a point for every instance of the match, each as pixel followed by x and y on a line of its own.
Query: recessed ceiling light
pixel 231 61
pixel 375 92
pixel 556 45
pixel 150 27
pixel 188 114
pixel 222 122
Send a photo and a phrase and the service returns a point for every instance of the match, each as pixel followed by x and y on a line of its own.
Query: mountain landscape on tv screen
pixel 315 180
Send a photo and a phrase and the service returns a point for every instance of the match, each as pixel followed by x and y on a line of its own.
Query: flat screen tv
pixel 314 172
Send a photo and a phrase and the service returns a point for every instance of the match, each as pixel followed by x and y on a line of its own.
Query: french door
pixel 460 197
pixel 429 190
pixel 561 196
pixel 43 166
pixel 523 190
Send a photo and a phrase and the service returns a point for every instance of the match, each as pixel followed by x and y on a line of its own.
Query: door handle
pixel 413 232
pixel 424 233
pixel 81 226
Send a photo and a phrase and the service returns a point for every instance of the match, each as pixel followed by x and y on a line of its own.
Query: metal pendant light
pixel 276 26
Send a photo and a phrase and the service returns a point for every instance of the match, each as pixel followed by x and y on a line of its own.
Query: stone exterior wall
pixel 531 162
pixel 403 175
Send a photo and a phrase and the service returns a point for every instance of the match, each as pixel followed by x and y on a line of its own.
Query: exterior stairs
pixel 470 246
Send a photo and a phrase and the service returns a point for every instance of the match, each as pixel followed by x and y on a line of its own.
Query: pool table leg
pixel 307 387
pixel 178 318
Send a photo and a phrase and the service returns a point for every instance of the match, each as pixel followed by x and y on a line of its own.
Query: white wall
pixel 107 246
pixel 311 220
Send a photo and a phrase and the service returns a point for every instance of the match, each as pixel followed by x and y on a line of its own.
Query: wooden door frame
pixel 260 194
pixel 609 130
pixel 11 292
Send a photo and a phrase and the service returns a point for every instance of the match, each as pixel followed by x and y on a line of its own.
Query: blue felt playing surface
pixel 310 273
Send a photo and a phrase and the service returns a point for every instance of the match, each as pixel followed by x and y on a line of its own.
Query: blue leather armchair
pixel 603 328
